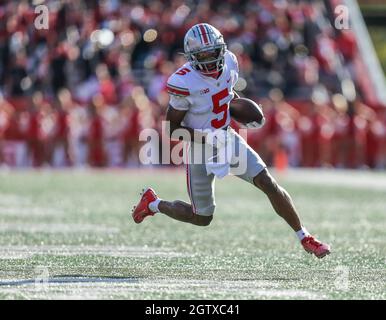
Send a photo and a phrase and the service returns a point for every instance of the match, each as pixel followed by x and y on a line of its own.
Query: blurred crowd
pixel 79 93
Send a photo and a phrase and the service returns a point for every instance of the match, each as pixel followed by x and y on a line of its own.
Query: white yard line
pixel 23 252
pixel 55 228
pixel 100 288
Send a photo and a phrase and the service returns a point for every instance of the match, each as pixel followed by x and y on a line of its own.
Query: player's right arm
pixel 178 107
pixel 175 118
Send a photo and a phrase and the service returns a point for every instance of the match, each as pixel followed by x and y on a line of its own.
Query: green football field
pixel 69 235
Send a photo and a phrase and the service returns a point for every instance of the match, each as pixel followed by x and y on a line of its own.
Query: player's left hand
pixel 255 124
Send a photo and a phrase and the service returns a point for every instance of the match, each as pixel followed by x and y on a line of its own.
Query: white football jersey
pixel 205 99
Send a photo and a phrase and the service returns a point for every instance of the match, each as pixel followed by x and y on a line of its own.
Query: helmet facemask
pixel 209 60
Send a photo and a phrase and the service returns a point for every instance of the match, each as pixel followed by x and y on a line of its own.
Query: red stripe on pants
pixel 188 180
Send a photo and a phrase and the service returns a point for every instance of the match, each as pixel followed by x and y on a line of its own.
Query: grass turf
pixel 74 228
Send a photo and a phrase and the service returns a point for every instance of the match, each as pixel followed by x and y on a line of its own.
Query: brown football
pixel 245 110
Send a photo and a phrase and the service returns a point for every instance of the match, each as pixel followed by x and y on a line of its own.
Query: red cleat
pixel 314 246
pixel 141 211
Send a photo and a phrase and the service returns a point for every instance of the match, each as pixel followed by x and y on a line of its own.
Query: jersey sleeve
pixel 179 103
pixel 178 93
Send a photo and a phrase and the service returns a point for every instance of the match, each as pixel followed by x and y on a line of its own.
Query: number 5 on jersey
pixel 217 108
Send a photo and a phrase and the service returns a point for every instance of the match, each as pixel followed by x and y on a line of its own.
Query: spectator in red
pixel 309 129
pixel 130 114
pixel 35 145
pixel 325 119
pixel 341 138
pixel 14 146
pixel 96 151
pixel 106 85
pixel 61 156
pixel 380 128
pixel 346 43
pixel 47 131
pixel 270 144
pixel 366 145
pixel 6 111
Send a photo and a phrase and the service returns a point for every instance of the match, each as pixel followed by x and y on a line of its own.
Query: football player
pixel 201 93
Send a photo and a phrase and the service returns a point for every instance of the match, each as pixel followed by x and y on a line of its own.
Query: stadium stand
pixel 79 93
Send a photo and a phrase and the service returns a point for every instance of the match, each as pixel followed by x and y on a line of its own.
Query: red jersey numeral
pixel 217 108
pixel 183 71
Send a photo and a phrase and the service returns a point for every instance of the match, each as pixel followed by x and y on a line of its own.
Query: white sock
pixel 153 206
pixel 302 233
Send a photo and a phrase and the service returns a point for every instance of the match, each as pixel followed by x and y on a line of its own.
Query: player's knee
pixel 265 182
pixel 203 221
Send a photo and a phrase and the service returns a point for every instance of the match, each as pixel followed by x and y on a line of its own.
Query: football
pixel 245 111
